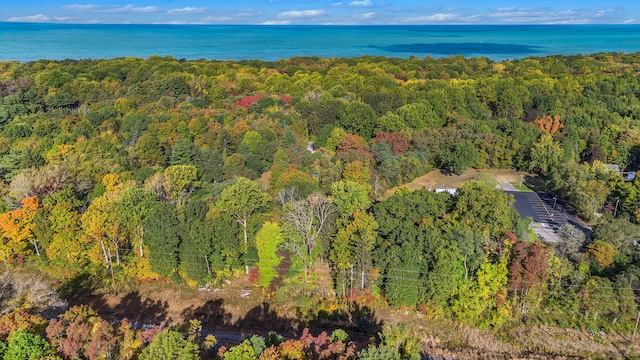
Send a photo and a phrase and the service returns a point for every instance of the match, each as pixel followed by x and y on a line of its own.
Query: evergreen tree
pixel 211 164
pixel 162 237
pixel 197 237
pixel 183 153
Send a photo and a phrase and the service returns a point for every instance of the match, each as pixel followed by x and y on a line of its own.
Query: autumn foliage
pixel 16 229
pixel 399 142
pixel 601 252
pixel 528 265
pixel 247 101
pixel 550 124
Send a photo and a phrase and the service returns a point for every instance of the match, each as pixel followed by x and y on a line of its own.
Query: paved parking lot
pixel 548 213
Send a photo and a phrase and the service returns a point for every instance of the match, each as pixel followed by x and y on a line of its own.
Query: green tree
pixel 197 240
pixel 482 301
pixel 470 245
pixel 28 346
pixel 404 265
pixel 509 104
pixel 234 165
pixel 460 157
pixel 195 250
pixel 353 244
pixel 588 196
pixel 171 345
pixel 620 233
pixel 162 238
pixel 211 163
pixel 183 153
pixel 350 196
pixel 148 151
pixel 133 207
pixel 251 140
pixel 484 209
pixel 179 181
pixel 597 297
pixel 546 155
pixel 358 118
pixel 241 200
pixel 420 116
pixel 390 122
pixel 242 351
pixel 267 241
pixel 227 243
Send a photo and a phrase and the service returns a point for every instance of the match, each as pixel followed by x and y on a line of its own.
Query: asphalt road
pixel 548 210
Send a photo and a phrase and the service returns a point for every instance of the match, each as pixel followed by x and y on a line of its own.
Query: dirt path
pixel 228 314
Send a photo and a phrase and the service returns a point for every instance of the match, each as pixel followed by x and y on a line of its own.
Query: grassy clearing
pixel 515 340
pixel 436 179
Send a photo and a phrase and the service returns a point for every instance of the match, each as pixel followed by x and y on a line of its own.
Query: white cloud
pixel 81 8
pixel 145 9
pixel 38 18
pixel 248 13
pixel 435 18
pixel 276 22
pixel 297 14
pixel 237 16
pixel 218 19
pixel 93 21
pixel 110 9
pixel 545 16
pixel 361 3
pixel 364 16
pixel 506 8
pixel 187 10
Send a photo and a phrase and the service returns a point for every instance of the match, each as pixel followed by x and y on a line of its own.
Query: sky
pixel 322 12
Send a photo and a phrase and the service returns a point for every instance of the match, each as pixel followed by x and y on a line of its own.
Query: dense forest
pixel 199 171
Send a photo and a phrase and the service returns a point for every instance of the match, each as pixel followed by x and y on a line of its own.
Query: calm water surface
pixel 27 42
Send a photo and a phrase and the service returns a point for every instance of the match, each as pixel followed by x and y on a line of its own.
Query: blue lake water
pixel 27 42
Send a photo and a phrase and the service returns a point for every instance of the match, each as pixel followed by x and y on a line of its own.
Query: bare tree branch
pixel 308 216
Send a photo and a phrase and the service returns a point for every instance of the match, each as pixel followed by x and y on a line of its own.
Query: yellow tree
pixel 66 243
pixel 99 222
pixel 94 222
pixel 16 229
pixel 602 253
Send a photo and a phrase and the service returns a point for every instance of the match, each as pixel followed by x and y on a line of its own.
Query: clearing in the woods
pixel 437 179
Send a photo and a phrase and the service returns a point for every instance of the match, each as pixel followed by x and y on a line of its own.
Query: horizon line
pixel 316 25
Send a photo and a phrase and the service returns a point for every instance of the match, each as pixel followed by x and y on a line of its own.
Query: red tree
pixel 321 347
pixel 399 143
pixel 248 100
pixel 528 266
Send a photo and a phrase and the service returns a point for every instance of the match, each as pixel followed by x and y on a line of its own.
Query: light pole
pixel 615 211
pixel 521 176
pixel 555 198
